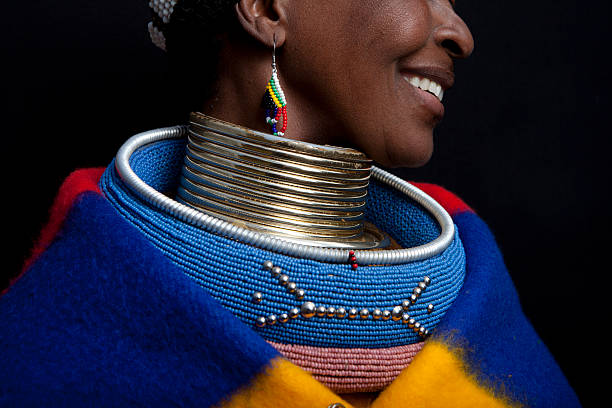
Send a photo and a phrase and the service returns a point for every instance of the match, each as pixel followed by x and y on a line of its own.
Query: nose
pixel 453 34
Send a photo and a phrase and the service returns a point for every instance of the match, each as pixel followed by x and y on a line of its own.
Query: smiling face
pixel 355 73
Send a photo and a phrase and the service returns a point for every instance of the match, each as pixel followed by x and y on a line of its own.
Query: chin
pixel 405 155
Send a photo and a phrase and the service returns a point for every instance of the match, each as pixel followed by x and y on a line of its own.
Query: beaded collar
pixel 301 303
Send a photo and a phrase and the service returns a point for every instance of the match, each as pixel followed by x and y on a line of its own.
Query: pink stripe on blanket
pixel 351 369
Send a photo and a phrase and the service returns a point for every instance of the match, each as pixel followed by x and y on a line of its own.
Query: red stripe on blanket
pixel 451 203
pixel 78 182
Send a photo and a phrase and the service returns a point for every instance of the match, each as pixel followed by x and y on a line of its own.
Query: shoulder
pixel 447 199
pixel 74 186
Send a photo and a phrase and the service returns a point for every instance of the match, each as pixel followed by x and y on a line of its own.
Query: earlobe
pixel 263 20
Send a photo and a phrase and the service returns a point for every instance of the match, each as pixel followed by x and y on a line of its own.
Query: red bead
pixel 351 252
pixel 353 259
pixel 355 266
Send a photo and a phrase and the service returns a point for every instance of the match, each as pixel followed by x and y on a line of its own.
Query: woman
pixel 257 258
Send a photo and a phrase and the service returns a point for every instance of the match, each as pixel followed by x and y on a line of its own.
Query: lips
pixel 432 79
pixel 429 82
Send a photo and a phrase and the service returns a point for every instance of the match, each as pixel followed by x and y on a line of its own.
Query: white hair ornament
pixel 164 9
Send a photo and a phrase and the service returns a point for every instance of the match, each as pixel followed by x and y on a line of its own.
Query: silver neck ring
pixel 277 243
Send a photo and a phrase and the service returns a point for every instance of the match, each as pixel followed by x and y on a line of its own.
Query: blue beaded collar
pixel 233 271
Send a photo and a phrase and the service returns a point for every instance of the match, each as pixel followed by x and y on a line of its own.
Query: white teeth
pixel 433 88
pixel 426 84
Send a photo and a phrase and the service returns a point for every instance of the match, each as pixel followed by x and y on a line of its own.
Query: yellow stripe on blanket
pixel 283 384
pixel 437 377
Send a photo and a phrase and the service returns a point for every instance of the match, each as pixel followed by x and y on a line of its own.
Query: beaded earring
pixel 274 101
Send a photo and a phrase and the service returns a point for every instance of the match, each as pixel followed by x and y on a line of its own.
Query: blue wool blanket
pixel 105 315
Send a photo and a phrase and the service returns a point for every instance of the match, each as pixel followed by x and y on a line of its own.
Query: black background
pixel 525 140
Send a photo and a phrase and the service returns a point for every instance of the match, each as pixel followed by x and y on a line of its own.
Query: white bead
pixel 308 310
pixel 157 37
pixel 276 271
pixel 260 321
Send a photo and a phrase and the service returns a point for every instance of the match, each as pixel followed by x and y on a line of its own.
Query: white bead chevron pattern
pixel 163 8
pixel 157 36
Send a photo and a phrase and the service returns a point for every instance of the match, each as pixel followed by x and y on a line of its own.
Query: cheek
pixel 347 62
pixel 392 126
pixel 310 63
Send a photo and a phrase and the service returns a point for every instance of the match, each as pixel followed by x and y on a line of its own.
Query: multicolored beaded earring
pixel 274 101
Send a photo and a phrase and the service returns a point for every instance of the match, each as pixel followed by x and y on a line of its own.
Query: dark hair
pixel 193 46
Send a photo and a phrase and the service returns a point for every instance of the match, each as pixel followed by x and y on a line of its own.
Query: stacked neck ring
pixel 300 192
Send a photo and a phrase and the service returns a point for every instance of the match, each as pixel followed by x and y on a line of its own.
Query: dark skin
pixel 345 67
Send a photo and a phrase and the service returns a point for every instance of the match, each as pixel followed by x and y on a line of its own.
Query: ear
pixel 264 19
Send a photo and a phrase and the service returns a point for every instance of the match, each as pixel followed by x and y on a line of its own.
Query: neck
pixel 239 89
pixel 301 192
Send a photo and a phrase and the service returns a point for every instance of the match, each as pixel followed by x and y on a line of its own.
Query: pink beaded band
pixel 351 369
